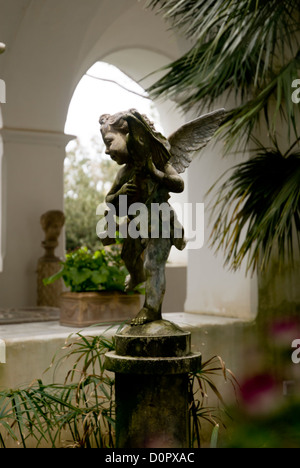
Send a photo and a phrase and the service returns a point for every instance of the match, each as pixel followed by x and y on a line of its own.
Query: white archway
pixel 90 101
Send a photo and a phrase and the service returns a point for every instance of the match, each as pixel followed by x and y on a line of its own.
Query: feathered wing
pixel 192 137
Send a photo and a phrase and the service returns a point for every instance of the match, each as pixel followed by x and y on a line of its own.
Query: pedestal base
pixel 152 363
pixel 152 411
pixel 48 296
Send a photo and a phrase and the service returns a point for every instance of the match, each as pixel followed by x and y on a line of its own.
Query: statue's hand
pixel 128 189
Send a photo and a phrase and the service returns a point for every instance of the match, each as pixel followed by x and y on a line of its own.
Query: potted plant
pixel 97 288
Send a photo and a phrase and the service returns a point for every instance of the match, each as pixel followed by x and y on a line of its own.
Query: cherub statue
pixel 151 168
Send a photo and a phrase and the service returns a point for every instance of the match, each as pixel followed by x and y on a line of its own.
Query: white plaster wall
pixel 50 45
pixel 34 164
pixel 211 288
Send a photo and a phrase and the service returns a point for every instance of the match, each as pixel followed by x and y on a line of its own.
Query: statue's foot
pixel 145 316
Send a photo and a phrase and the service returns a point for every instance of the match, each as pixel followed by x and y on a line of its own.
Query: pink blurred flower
pixel 284 331
pixel 261 394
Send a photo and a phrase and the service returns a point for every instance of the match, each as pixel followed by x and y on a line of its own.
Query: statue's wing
pixel 192 137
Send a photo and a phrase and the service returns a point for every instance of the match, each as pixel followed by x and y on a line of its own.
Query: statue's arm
pixel 169 177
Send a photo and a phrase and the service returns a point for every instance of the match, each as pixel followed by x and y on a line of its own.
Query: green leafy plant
pixel 84 270
pixel 80 412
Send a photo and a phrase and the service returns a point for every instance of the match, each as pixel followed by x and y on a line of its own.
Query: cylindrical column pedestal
pixel 152 363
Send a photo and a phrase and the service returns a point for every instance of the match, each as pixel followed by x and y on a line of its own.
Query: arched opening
pixel 119 88
pixel 89 172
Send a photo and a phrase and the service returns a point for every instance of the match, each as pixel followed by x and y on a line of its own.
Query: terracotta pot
pixel 89 308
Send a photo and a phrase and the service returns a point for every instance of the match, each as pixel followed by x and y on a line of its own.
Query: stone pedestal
pixel 48 296
pixel 52 223
pixel 152 363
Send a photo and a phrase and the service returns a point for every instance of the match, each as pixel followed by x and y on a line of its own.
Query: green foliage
pixel 258 208
pixel 199 385
pixel 268 413
pixel 250 47
pixel 88 177
pixel 83 405
pixel 83 270
pixel 279 430
pixel 82 408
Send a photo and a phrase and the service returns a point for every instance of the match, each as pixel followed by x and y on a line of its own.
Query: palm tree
pixel 250 48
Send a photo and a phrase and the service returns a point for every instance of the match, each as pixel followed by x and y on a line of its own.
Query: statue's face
pixel 53 231
pixel 116 146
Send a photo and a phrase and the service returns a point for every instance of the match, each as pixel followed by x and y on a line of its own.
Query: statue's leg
pixel 156 256
pixel 132 254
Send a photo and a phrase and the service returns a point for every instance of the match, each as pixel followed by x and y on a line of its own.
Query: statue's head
pixel 114 132
pixel 119 123
pixel 52 223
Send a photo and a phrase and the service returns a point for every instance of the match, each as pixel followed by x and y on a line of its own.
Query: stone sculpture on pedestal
pixel 153 357
pixel 52 223
pixel 151 167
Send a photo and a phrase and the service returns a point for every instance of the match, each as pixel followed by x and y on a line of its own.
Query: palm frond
pixel 200 383
pixel 257 208
pixel 243 119
pixel 239 46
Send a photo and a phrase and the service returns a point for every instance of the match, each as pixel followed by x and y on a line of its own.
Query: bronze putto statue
pixel 150 169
